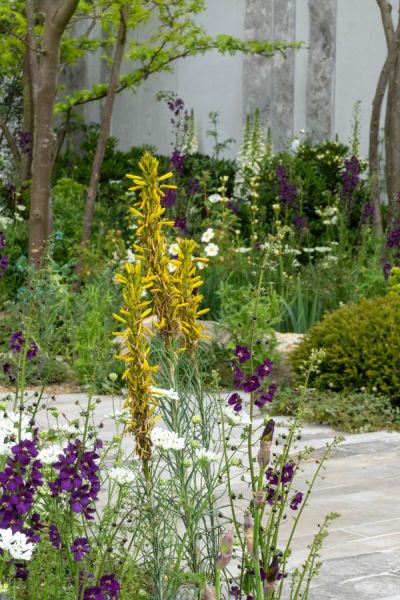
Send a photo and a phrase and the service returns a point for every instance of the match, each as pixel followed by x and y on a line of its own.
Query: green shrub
pixel 362 347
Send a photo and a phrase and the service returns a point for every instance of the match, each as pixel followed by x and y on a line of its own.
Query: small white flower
pixel 166 440
pixel 163 393
pixel 173 249
pixel 113 376
pixel 207 235
pixel 130 256
pixel 236 418
pixel 16 544
pixel 243 250
pixel 295 146
pixel 121 475
pixel 201 265
pixel 211 250
pixel 214 198
pixel 171 267
pixel 206 456
pixel 50 455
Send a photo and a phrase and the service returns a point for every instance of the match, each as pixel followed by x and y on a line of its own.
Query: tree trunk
pixel 26 157
pixel 12 144
pixel 44 83
pixel 382 85
pixel 392 144
pixel 105 126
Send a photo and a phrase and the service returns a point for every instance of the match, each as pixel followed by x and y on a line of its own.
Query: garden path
pixel 362 483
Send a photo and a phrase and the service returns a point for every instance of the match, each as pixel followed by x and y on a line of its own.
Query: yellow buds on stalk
pixel 138 372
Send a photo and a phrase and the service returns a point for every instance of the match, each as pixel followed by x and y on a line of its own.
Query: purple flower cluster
pixel 296 501
pixel 286 475
pixel 181 223
pixel 287 191
pixel 178 162
pixel 176 106
pixel 251 383
pixel 169 198
pixel 19 482
pixel 17 342
pixel 350 178
pixel 108 589
pixel 77 476
pixel 393 240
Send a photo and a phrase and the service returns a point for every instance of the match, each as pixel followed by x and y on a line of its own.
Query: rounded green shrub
pixel 362 348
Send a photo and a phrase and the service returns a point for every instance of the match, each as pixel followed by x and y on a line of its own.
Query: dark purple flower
pixel 23 501
pixel 79 548
pixel 235 401
pixel 296 500
pixel 265 397
pixel 178 161
pixel 169 198
pixel 21 572
pixel 243 354
pixel 250 384
pixel 350 177
pixel 94 593
pixel 16 341
pixel 287 473
pixel 264 369
pixel 24 451
pixel 3 264
pixel 54 537
pixel 32 351
pixel 393 240
pixel 109 584
pixel 25 142
pixel 287 192
pixel 181 223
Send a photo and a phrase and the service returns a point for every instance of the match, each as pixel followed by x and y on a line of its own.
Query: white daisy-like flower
pixel 130 256
pixel 50 455
pixel 215 198
pixel 171 267
pixel 121 475
pixel 201 265
pixel 16 544
pixel 161 392
pixel 236 418
pixel 211 250
pixel 173 249
pixel 206 456
pixel 166 440
pixel 207 235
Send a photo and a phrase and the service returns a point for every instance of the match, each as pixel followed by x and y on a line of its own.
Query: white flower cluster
pixel 166 440
pixel 236 418
pixel 206 456
pixel 161 392
pixel 16 544
pixel 329 214
pixel 121 475
pixel 50 455
pixel 251 155
pixel 10 427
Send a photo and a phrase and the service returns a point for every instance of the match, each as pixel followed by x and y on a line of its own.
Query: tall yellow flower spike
pixel 138 373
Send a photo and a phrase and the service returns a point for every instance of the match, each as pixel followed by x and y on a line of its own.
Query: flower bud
pixel 249 532
pixel 259 499
pixel 208 593
pixel 264 453
pixel 225 550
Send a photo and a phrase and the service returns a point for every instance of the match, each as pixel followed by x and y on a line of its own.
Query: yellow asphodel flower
pixel 138 372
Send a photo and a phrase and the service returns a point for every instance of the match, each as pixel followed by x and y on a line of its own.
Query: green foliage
pixel 350 412
pixel 361 344
pixel 394 281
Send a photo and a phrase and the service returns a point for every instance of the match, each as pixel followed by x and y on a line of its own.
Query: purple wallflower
pixel 350 177
pixel 265 397
pixel 243 354
pixel 3 264
pixel 80 548
pixel 94 593
pixel 264 369
pixel 296 500
pixel 181 223
pixel 287 473
pixel 169 198
pixel 54 537
pixel 250 384
pixel 237 372
pixel 235 401
pixel 109 584
pixel 287 192
pixel 32 351
pixel 16 341
pixel 178 161
pixel 21 572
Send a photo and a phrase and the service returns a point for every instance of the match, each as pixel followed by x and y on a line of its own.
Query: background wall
pixel 315 88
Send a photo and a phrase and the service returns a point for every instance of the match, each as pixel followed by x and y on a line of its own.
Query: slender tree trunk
pixel 12 144
pixel 381 88
pixel 26 157
pixel 105 126
pixel 44 84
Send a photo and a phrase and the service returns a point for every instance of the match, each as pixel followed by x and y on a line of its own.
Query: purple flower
pixel 94 593
pixel 296 500
pixel 393 240
pixel 16 341
pixel 24 451
pixel 21 572
pixel 350 177
pixel 287 473
pixel 3 264
pixel 32 351
pixel 79 548
pixel 264 369
pixel 109 584
pixel 181 223
pixel 54 537
pixel 25 142
pixel 250 384
pixel 287 192
pixel 178 161
pixel 265 397
pixel 235 401
pixel 169 198
pixel 243 354
pixel 237 372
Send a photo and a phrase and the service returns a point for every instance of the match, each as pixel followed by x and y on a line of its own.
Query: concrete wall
pixel 315 89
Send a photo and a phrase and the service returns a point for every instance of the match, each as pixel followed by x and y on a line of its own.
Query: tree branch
pixel 386 13
pixel 11 141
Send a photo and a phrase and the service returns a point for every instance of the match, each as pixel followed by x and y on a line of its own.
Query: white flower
pixel 50 455
pixel 236 418
pixel 11 426
pixel 295 146
pixel 207 235
pixel 130 256
pixel 166 440
pixel 121 475
pixel 173 249
pixel 243 250
pixel 162 393
pixel 200 265
pixel 171 267
pixel 206 456
pixel 214 198
pixel 211 250
pixel 16 544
